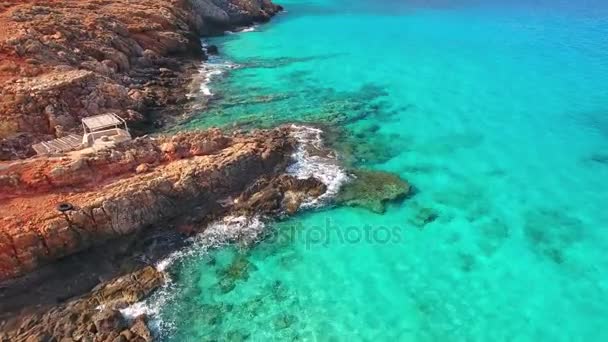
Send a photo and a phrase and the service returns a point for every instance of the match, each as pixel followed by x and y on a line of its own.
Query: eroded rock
pixel 94 317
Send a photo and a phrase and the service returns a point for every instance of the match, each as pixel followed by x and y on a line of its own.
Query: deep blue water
pixel 497 113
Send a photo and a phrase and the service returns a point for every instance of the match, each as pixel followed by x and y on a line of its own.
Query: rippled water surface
pixel 496 112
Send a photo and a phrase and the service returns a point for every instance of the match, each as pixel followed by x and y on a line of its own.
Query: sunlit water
pixel 497 113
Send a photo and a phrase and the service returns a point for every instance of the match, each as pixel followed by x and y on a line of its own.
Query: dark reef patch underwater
pixel 475 104
pixel 372 190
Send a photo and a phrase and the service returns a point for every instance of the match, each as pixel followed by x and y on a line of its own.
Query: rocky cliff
pixel 64 60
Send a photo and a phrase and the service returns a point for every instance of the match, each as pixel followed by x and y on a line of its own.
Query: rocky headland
pixel 139 183
pixel 178 183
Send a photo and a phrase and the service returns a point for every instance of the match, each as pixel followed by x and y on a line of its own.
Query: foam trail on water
pixel 210 71
pixel 216 66
pixel 212 68
pixel 312 159
pixel 246 29
pixel 219 233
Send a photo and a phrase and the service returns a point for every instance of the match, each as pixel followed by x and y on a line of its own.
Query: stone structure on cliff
pixel 100 131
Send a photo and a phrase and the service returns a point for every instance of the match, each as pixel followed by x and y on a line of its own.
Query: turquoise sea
pixel 495 111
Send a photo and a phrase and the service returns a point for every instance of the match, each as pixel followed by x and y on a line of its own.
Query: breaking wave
pixel 211 69
pixel 245 29
pixel 313 159
pixel 227 230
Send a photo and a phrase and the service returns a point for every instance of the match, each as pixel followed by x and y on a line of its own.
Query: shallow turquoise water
pixel 496 111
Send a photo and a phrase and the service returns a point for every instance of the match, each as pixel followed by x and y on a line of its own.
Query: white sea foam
pixel 249 29
pixel 231 229
pixel 219 233
pixel 244 29
pixel 312 159
pixel 210 70
pixel 215 65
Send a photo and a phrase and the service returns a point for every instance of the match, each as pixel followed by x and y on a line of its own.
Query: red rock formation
pixel 192 174
pixel 64 60
pixel 112 196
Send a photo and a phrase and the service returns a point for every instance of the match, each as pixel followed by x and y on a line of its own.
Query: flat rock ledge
pixel 373 190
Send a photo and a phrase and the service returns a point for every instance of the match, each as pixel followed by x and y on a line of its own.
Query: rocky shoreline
pixel 167 183
pixel 64 60
pixel 65 274
pixel 61 61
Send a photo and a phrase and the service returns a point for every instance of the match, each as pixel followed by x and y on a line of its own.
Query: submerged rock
pixel 211 314
pixel 372 190
pixel 284 321
pixel 600 158
pixel 361 145
pixel 237 336
pixel 492 236
pixel 238 269
pixel 551 233
pixel 423 217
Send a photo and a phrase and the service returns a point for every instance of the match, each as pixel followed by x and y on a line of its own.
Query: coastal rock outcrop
pixel 61 61
pixel 190 174
pixel 230 13
pixel 283 193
